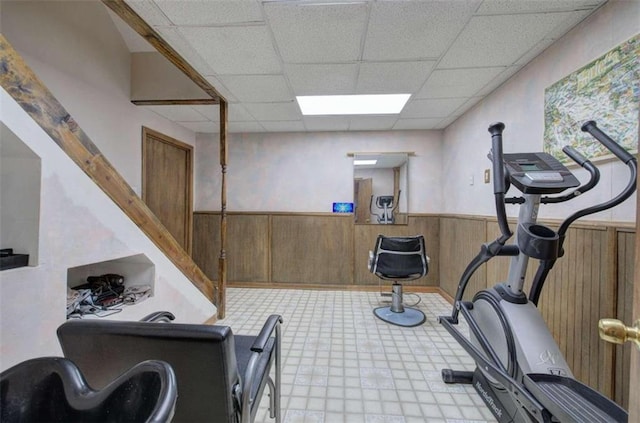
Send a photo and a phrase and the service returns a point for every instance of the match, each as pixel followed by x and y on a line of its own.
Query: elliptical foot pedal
pixel 571 401
pixel 457 376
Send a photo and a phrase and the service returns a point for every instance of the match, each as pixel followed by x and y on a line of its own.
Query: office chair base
pixel 408 318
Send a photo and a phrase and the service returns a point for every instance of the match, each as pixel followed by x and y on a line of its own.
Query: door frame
pixel 188 149
pixel 634 377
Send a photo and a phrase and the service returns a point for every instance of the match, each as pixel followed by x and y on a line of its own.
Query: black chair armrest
pixel 262 352
pixel 159 316
pixel 264 335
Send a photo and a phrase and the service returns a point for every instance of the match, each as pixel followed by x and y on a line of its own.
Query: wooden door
pixel 167 183
pixel 363 189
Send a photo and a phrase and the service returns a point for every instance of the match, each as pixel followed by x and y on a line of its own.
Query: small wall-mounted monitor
pixel 343 207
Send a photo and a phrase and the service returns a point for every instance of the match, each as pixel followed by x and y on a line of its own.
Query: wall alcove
pixel 20 176
pixel 137 270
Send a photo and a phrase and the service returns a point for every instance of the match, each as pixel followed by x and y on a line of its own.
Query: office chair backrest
pixel 202 357
pixel 399 258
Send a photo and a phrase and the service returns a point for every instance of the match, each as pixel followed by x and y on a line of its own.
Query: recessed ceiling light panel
pixel 369 104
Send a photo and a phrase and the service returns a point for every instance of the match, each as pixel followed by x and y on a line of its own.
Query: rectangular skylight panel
pixel 369 104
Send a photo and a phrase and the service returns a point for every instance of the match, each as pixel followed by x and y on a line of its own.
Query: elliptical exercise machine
pixel 388 205
pixel 521 374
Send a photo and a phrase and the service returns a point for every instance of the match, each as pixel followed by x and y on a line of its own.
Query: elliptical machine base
pixel 496 398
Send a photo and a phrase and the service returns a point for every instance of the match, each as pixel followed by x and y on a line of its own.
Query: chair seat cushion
pixel 397 266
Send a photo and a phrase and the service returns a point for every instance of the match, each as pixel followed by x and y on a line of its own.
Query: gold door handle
pixel 614 331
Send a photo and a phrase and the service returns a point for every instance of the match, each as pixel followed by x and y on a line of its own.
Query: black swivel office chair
pixel 221 376
pixel 399 259
pixel 52 389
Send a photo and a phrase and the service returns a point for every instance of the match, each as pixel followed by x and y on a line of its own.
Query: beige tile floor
pixel 341 364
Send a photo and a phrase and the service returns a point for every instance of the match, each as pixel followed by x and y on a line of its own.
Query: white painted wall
pixel 74 49
pixel 79 55
pixel 519 103
pixel 307 172
pixel 79 225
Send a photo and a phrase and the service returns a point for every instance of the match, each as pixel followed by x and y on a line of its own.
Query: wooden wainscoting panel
pixel 460 240
pixel 429 226
pixel 312 249
pixel 604 369
pixel 554 310
pixel 248 247
pixel 579 291
pixel 626 254
pixel 206 242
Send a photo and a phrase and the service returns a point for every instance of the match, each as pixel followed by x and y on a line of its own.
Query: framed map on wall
pixel 607 91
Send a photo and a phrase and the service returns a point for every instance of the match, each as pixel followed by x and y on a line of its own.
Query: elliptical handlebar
pixel 497 247
pixel 499 189
pixel 619 151
pixel 624 156
pixel 588 166
pixel 574 155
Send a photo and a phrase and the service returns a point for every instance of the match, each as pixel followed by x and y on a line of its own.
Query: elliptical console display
pixel 509 339
pixel 538 173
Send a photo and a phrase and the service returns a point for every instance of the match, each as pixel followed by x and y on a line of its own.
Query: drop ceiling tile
pixel 392 77
pixel 467 106
pixel 237 50
pixel 238 113
pixel 151 13
pixel 202 127
pixel 219 86
pixel 534 51
pixel 573 19
pixel 504 7
pixel 446 122
pixel 274 111
pixel 284 126
pixel 414 30
pixel 209 111
pixel 310 33
pixel 258 88
pixel 443 124
pixel 404 124
pixel 175 39
pixel 372 123
pixel 431 108
pixel 204 12
pixel 481 45
pixel 499 80
pixel 245 127
pixel 449 83
pixel 326 123
pixel 322 79
pixel 177 113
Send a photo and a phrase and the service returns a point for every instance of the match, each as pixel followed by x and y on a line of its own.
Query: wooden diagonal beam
pixel 23 85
